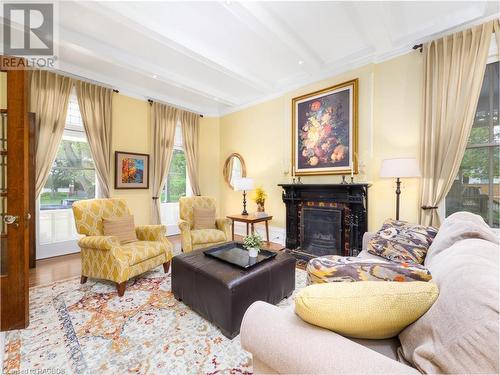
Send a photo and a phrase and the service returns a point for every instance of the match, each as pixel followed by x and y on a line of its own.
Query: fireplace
pixel 321 231
pixel 325 219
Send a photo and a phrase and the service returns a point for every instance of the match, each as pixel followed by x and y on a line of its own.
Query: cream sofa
pixel 459 334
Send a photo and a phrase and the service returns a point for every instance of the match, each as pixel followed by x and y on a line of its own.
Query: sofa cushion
pixel 122 228
pixel 332 268
pixel 367 310
pixel 202 236
pixel 204 218
pixel 459 334
pixel 139 251
pixel 456 227
pixel 401 241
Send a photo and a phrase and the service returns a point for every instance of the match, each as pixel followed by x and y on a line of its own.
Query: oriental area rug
pixel 88 329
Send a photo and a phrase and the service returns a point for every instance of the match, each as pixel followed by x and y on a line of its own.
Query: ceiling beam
pixel 370 20
pixel 134 22
pixel 136 91
pixel 263 22
pixel 118 57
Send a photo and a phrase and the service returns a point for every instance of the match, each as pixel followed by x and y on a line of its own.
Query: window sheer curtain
pixel 95 107
pixel 190 134
pixel 163 120
pixel 49 96
pixel 454 70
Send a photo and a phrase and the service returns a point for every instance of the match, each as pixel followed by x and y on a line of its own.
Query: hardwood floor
pixel 67 266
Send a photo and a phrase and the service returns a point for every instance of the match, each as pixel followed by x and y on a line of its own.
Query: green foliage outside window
pixel 176 180
pixel 72 176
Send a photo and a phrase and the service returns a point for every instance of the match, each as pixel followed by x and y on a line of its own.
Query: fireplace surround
pixel 325 219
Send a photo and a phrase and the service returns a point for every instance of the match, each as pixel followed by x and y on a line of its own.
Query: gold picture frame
pixel 325 131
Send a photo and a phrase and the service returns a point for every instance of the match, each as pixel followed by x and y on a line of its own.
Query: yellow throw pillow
pixel 121 227
pixel 204 218
pixel 366 309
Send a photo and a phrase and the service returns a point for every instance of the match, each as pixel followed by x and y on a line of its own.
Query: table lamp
pixel 399 168
pixel 243 184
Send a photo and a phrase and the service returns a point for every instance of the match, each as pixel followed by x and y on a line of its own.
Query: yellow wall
pixel 132 133
pixel 389 118
pixel 209 157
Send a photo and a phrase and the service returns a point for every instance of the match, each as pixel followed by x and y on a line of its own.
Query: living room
pixel 170 135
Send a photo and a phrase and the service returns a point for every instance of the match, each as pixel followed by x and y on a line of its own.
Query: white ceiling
pixel 216 57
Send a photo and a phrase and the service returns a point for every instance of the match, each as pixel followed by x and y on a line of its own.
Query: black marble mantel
pixel 352 198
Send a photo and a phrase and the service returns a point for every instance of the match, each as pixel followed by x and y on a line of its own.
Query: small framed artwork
pixel 131 170
pixel 325 131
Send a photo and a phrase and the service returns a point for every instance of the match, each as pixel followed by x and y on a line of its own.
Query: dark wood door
pixel 15 214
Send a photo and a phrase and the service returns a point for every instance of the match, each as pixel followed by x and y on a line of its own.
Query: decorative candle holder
pixel 343 180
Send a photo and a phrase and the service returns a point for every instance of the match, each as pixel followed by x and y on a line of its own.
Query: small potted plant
pixel 259 196
pixel 252 243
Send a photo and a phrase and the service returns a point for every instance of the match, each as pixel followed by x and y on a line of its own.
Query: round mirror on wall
pixel 234 168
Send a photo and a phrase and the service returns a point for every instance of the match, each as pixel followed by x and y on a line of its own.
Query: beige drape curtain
pixel 190 130
pixel 163 120
pixel 454 69
pixel 49 96
pixel 95 107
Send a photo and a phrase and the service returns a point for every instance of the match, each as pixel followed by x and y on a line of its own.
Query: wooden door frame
pixel 14 286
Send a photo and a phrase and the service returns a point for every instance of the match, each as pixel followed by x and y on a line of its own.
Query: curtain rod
pixel 151 101
pixel 418 46
pixel 62 72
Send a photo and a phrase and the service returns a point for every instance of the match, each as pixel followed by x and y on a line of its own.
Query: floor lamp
pixel 399 168
pixel 243 184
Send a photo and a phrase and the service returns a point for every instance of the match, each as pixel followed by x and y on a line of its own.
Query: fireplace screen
pixel 321 231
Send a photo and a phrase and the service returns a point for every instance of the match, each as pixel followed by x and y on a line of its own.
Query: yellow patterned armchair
pixel 192 239
pixel 103 257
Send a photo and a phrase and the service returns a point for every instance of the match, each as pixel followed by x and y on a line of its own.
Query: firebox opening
pixel 321 231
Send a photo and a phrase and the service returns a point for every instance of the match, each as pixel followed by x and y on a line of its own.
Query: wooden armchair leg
pixel 83 279
pixel 166 266
pixel 120 287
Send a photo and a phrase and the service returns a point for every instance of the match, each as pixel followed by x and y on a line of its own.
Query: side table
pixel 251 220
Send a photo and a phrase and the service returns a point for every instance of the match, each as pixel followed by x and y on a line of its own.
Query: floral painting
pixel 131 170
pixel 325 131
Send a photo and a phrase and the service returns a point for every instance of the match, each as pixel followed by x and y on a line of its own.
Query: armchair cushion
pixel 90 213
pixel 99 242
pixel 202 236
pixel 204 218
pixel 122 228
pixel 151 232
pixel 139 251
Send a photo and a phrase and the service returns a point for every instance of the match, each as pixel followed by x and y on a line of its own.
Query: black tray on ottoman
pixel 234 253
pixel 221 292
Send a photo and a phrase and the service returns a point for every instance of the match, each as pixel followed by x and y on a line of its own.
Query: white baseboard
pixel 276 234
pixel 56 249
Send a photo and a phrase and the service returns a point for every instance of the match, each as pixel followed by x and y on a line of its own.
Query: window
pixel 477 186
pixel 71 178
pixel 176 186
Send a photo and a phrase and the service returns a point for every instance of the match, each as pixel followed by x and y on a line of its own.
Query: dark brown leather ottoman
pixel 221 292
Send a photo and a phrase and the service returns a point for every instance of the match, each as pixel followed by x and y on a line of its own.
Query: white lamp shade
pixel 243 184
pixel 401 167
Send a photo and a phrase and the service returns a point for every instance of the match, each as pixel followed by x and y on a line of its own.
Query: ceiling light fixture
pixel 155 76
pixel 301 62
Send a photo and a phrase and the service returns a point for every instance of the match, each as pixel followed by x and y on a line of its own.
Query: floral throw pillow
pixel 401 241
pixel 333 268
